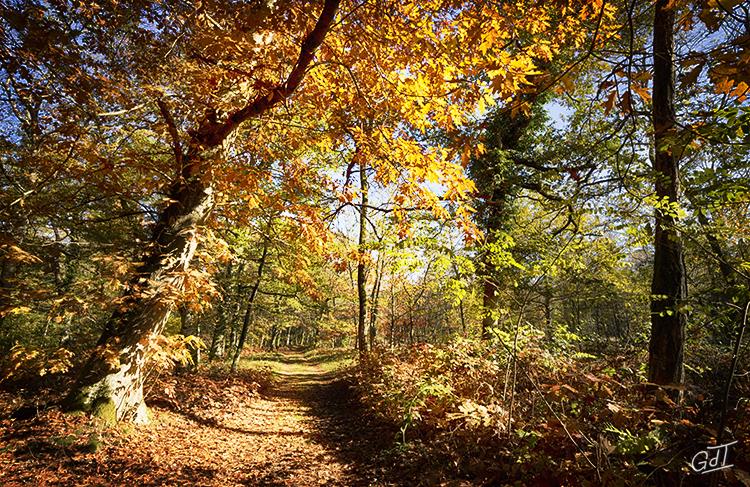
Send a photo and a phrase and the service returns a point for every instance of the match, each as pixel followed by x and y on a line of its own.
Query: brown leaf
pixel 691 76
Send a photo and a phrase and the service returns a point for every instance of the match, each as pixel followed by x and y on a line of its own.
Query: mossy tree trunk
pixel 111 384
pixel 113 376
pixel 495 178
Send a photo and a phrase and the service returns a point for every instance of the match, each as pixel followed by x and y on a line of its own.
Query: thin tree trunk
pixel 727 287
pixel 361 277
pixel 548 308
pixel 217 340
pixel 217 337
pixel 392 327
pixel 489 303
pixel 232 341
pixel 411 325
pixel 249 309
pixel 460 301
pixel 726 269
pixel 461 315
pixel 669 285
pixel 7 273
pixel 375 299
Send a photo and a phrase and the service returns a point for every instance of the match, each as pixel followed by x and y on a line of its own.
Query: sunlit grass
pixel 302 363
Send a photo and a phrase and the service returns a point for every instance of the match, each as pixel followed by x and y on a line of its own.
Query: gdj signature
pixel 711 459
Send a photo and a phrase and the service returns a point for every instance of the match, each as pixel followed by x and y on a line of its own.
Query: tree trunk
pixel 727 287
pixel 217 340
pixel 361 277
pixel 232 342
pixel 111 384
pixel 489 303
pixel 249 309
pixel 392 321
pixel 726 269
pixel 669 285
pixel 497 180
pixel 411 326
pixel 547 296
pixel 217 336
pixel 375 299
pixel 461 315
pixel 272 337
pixel 7 273
pixel 495 220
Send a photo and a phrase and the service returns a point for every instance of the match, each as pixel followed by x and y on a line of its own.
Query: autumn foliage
pixel 529 218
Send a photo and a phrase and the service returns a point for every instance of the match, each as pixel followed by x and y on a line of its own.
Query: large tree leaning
pixel 111 384
pixel 668 286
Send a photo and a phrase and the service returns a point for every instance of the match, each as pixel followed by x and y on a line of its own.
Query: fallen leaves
pixel 209 428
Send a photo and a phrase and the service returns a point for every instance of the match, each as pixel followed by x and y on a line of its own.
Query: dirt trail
pixel 305 431
pixel 311 433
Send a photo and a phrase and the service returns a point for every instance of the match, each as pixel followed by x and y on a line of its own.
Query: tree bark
pixel 489 303
pixel 111 385
pixel 375 300
pixel 362 342
pixel 249 309
pixel 496 210
pixel 669 285
pixel 392 321
pixel 727 287
pixel 7 272
pixel 495 221
pixel 272 337
pixel 220 328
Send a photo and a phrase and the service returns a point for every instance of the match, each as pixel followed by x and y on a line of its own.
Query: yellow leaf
pixel 642 92
pixel 19 310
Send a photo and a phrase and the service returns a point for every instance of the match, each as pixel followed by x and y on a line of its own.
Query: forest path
pixel 308 432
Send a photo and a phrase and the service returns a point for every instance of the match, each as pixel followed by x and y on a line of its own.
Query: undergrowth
pixel 547 418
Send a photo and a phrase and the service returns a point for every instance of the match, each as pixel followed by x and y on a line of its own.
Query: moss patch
pixel 104 409
pixel 64 441
pixel 94 443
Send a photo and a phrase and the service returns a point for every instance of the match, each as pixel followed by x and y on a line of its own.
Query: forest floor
pixel 302 429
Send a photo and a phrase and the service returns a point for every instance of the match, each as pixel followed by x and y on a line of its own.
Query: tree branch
pixel 172 128
pixel 265 102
